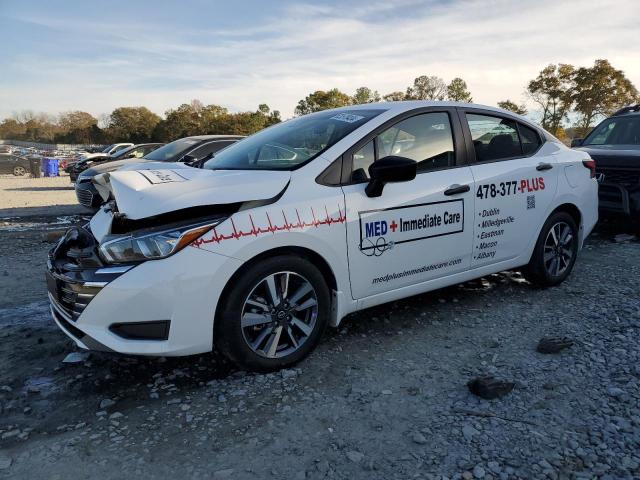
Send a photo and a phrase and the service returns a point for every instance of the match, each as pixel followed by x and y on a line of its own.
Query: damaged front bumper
pixel 160 307
pixel 75 275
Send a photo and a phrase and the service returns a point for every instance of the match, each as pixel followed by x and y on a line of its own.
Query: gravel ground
pixel 383 397
pixel 25 195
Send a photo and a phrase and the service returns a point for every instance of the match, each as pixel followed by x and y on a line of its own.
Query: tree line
pixel 567 99
pixel 135 124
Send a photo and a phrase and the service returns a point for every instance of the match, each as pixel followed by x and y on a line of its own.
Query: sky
pixel 98 55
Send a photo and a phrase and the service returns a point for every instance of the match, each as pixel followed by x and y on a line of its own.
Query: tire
pixel 19 171
pixel 249 322
pixel 560 256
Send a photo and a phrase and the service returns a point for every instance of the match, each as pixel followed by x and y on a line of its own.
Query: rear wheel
pixel 19 171
pixel 274 315
pixel 555 251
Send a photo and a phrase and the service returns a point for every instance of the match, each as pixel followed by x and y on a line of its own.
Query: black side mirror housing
pixel 188 159
pixel 576 142
pixel 388 170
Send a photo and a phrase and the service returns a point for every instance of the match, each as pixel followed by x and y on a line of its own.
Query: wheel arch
pixel 314 257
pixel 572 210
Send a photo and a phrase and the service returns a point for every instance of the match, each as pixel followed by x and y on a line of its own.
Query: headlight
pixel 152 246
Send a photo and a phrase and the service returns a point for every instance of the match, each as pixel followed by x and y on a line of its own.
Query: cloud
pixel 278 58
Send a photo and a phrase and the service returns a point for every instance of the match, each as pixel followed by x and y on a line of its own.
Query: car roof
pixel 406 105
pixel 630 110
pixel 215 137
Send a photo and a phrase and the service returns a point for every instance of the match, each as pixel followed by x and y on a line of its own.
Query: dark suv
pixel 615 146
pixel 193 151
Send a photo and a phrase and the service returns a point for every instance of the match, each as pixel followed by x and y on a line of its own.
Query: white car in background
pixel 291 229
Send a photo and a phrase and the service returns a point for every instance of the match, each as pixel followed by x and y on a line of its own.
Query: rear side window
pixel 493 138
pixel 530 139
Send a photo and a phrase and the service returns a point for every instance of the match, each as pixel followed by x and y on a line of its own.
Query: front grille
pixel 71 297
pixel 623 178
pixel 85 197
pixel 71 273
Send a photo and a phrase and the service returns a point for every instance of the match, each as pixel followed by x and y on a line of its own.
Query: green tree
pixel 552 90
pixel 427 88
pixel 77 127
pixel 599 91
pixel 184 121
pixel 457 91
pixel 246 123
pixel 365 95
pixel 513 107
pixel 11 129
pixel 322 100
pixel 394 97
pixel 134 124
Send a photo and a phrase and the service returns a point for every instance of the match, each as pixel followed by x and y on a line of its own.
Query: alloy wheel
pixel 19 171
pixel 558 249
pixel 279 315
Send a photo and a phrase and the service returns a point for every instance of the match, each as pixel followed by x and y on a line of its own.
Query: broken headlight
pixel 152 246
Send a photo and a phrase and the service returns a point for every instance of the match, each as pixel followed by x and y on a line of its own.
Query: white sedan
pixel 291 229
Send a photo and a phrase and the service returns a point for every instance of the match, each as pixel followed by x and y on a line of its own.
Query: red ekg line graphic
pixel 271 228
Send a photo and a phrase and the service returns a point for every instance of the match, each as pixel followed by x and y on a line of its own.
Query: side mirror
pixel 188 159
pixel 576 142
pixel 387 170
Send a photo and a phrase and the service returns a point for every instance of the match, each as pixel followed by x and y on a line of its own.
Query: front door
pixel 415 231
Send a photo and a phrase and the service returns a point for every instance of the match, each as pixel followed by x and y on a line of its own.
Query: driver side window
pixel 425 138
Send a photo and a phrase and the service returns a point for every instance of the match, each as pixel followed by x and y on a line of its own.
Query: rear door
pixel 515 184
pixel 415 231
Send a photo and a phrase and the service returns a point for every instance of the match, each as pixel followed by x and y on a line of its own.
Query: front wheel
pixel 555 251
pixel 274 315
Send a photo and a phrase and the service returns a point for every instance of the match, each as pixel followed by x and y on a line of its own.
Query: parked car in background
pixel 15 164
pixel 615 146
pixel 136 151
pixel 116 147
pixel 73 156
pixel 189 150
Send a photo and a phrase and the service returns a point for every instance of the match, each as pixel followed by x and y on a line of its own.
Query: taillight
pixel 591 165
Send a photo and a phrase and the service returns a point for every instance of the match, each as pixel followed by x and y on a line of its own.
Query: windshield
pixel 106 149
pixel 290 144
pixel 616 131
pixel 172 151
pixel 123 153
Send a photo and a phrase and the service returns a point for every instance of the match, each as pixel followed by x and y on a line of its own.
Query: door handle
pixel 456 189
pixel 544 166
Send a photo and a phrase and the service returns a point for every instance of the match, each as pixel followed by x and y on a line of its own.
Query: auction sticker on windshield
pixel 347 117
pixel 382 229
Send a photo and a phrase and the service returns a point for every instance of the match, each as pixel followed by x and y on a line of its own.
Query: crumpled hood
pixel 146 193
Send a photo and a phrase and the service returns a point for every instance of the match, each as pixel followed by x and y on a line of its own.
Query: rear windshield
pixel 616 131
pixel 291 144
